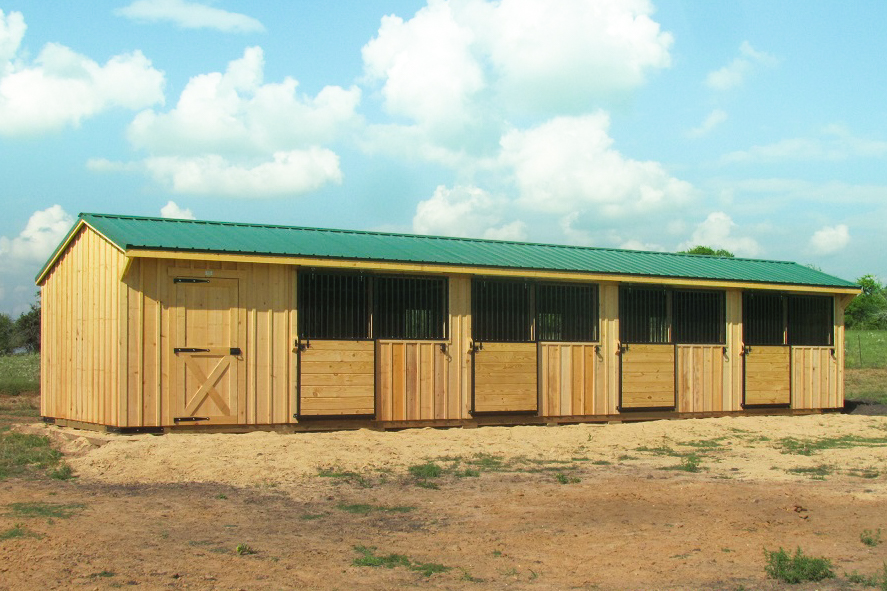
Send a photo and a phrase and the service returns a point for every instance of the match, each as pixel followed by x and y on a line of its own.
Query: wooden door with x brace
pixel 207 336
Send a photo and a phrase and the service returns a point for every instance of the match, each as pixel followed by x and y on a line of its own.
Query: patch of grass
pixel 866 384
pixel 368 557
pixel 466 576
pixel 661 450
pixel 488 462
pixel 796 568
pixel 564 479
pixel 626 457
pixel 363 509
pixel 816 472
pixel 47 510
pixel 689 463
pixel 426 470
pixel 244 549
pixel 865 348
pixel 19 373
pixel 870 538
pixel 21 451
pixel 63 472
pixel 864 472
pixel 346 475
pixel 708 444
pixel 18 531
pixel 808 447
pixel 602 463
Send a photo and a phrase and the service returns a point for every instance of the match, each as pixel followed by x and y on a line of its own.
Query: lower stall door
pixel 505 377
pixel 767 380
pixel 647 379
pixel 336 378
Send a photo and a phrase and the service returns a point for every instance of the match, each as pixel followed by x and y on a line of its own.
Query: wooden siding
pixel 81 342
pixel 266 315
pixel 815 378
pixel 767 375
pixel 411 381
pixel 505 377
pixel 569 379
pixel 337 378
pixel 648 376
pixel 700 370
pixel 733 368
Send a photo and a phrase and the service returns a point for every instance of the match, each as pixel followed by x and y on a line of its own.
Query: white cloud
pixel 735 73
pixel 717 232
pixel 173 211
pixel 190 15
pixel 569 164
pixel 62 88
pixel 830 239
pixel 834 143
pixel 43 232
pixel 235 112
pixel 468 212
pixel 289 173
pixel 467 64
pixel 713 119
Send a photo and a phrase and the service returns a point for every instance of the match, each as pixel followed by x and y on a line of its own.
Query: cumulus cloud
pixel 235 112
pixel 717 232
pixel 43 232
pixel 468 64
pixel 569 164
pixel 714 119
pixel 466 211
pixel 735 73
pixel 834 143
pixel 173 211
pixel 830 239
pixel 62 88
pixel 190 15
pixel 288 173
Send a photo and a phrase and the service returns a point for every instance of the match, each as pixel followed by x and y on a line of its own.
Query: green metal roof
pixel 129 232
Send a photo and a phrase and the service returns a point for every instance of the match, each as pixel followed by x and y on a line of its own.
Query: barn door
pixel 206 352
pixel 505 378
pixel 647 377
pixel 767 379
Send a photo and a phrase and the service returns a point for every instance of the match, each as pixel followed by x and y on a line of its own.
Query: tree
pixel 869 309
pixel 7 334
pixel 699 249
pixel 27 330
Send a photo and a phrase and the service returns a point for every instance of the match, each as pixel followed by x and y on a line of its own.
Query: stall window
pixel 566 312
pixel 778 319
pixel 410 308
pixel 333 306
pixel 810 321
pixel 698 317
pixel 643 315
pixel 500 311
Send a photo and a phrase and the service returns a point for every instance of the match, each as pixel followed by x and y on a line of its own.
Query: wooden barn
pixel 153 324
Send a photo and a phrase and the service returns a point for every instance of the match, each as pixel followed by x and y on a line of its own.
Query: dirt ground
pixel 688 504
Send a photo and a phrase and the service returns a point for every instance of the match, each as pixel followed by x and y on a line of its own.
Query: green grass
pixel 244 549
pixel 564 479
pixel 808 447
pixel 19 373
pixel 346 475
pixel 364 509
pixel 816 472
pixel 865 349
pixel 21 452
pixel 368 557
pixel 48 510
pixel 870 538
pixel 689 463
pixel 18 531
pixel 798 568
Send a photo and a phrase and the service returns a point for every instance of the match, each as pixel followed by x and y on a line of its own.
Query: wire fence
pixel 865 349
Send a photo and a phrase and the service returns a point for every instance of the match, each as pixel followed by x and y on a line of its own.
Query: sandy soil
pixel 581 507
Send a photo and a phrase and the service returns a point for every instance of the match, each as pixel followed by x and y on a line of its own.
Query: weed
pixel 18 451
pixel 870 538
pixel 63 472
pixel 18 531
pixel 798 568
pixel 363 509
pixel 466 576
pixel 488 462
pixel 244 549
pixel 808 447
pixel 369 558
pixel 564 479
pixel 426 470
pixel 864 472
pixel 426 484
pixel 710 444
pixel 662 450
pixel 816 472
pixel 602 463
pixel 221 496
pixel 467 473
pixel 870 581
pixel 626 457
pixel 689 463
pixel 346 475
pixel 48 510
pixel 497 553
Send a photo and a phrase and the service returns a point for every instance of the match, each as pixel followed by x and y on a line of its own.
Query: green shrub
pixel 798 568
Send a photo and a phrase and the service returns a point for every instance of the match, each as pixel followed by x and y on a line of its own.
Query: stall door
pixel 505 378
pixel 336 378
pixel 767 380
pixel 207 356
pixel 647 377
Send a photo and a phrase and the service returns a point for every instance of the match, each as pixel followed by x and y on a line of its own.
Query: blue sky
pixel 760 127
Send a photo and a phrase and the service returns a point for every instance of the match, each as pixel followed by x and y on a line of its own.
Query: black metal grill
pixel 566 312
pixel 698 317
pixel 501 311
pixel 811 321
pixel 410 308
pixel 333 306
pixel 763 319
pixel 643 315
